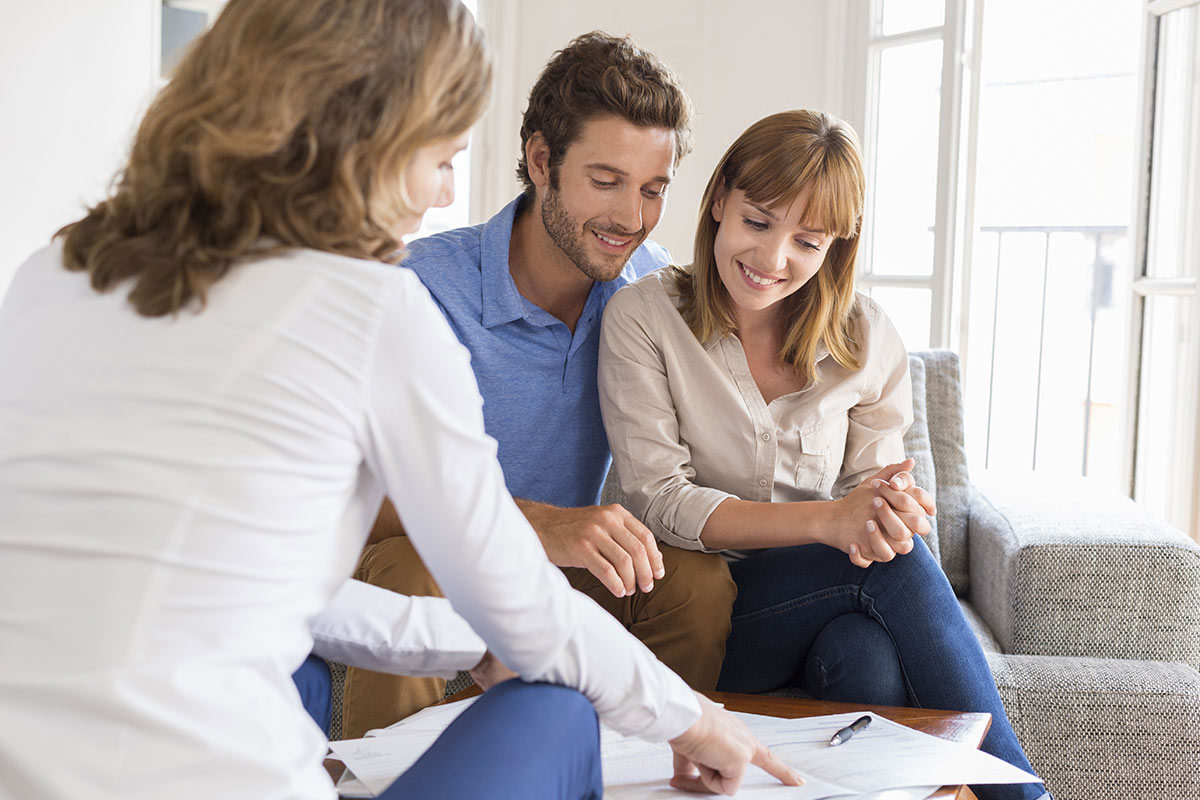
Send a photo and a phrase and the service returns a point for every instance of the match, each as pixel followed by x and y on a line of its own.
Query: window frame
pixel 947 282
pixel 1184 499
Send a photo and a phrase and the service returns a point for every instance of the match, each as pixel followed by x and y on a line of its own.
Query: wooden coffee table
pixel 952 725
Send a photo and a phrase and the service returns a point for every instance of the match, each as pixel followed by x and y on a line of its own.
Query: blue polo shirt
pixel 538 381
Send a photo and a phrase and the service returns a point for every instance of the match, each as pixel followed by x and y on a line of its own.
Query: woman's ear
pixel 718 206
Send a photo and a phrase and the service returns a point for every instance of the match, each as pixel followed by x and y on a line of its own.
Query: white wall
pixel 739 61
pixel 75 76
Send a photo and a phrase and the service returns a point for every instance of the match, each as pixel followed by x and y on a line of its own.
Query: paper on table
pixel 884 755
pixel 884 761
pixel 636 770
pixel 379 758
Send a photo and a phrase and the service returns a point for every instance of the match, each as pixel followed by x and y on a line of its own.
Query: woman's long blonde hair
pixel 290 124
pixel 772 162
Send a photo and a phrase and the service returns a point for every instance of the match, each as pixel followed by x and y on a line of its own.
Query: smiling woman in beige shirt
pixel 755 405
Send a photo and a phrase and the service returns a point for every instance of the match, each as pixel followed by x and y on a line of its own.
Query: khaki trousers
pixel 684 621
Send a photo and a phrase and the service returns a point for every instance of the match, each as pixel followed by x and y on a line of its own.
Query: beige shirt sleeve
pixel 875 434
pixel 653 463
pixel 688 426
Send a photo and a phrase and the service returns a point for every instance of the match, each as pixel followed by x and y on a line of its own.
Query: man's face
pixel 608 193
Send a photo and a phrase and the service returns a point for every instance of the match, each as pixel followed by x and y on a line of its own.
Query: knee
pixel 393 564
pixel 853 659
pixel 699 584
pixel 558 709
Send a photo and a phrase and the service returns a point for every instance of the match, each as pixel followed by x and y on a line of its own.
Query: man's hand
pixel 490 671
pixel 607 541
pixel 712 755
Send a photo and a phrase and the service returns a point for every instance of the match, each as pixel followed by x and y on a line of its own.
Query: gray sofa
pixel 1088 610
pixel 1087 607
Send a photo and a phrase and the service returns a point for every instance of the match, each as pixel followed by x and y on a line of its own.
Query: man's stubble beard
pixel 568 235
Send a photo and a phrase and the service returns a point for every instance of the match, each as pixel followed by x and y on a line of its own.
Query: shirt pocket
pixel 819 459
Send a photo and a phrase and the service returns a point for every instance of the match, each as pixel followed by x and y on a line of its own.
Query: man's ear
pixel 537 159
pixel 718 206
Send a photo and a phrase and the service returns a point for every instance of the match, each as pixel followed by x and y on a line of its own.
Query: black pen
pixel 843 736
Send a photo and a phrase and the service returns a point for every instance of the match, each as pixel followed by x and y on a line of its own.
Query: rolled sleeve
pixel 652 462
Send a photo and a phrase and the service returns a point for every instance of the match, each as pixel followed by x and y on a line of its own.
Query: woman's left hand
pixel 905 510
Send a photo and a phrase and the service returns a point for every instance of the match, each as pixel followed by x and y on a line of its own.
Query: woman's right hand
pixel 712 755
pixel 876 522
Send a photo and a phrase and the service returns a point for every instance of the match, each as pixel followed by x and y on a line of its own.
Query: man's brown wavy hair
pixel 772 162
pixel 289 124
pixel 597 75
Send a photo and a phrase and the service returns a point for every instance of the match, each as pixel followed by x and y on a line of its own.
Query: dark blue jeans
pixel 891 634
pixel 519 741
pixel 315 685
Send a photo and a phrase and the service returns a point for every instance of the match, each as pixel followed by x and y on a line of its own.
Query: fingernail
pixel 877 502
pixel 878 484
pixel 898 483
pixel 648 587
pixel 660 573
pixel 853 549
pixel 871 525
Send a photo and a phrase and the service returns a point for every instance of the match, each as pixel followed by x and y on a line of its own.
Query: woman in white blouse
pixel 755 405
pixel 208 384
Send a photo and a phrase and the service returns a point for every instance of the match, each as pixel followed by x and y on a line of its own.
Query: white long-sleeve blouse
pixel 180 497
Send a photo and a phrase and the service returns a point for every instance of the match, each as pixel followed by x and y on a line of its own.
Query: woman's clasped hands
pixel 876 521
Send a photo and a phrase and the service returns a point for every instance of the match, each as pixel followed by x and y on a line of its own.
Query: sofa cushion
pixel 918 448
pixel 944 410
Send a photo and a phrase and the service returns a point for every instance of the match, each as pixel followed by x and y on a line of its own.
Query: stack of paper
pixel 886 760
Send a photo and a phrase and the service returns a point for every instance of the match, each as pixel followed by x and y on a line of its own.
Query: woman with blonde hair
pixel 755 406
pixel 209 383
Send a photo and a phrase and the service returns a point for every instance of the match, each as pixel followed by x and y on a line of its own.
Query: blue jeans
pixel 524 741
pixel 316 690
pixel 519 741
pixel 890 634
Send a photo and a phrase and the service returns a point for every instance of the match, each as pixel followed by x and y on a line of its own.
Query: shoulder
pixel 872 330
pixel 449 264
pixel 649 257
pixel 653 289
pixel 649 304
pixel 456 250
pixel 378 283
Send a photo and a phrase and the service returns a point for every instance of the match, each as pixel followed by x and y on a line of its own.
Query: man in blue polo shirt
pixel 606 125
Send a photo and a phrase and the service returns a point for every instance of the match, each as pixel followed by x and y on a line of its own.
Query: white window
pixel 1001 143
pixel 1167 303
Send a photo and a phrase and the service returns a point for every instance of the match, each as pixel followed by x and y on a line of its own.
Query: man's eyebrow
pixel 618 171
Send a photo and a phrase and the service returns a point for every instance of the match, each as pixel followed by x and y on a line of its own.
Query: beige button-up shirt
pixel 689 428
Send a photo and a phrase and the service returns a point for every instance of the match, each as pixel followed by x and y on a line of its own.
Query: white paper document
pixel 381 757
pixel 885 761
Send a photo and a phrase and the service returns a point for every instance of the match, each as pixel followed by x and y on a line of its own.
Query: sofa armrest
pixel 1068 570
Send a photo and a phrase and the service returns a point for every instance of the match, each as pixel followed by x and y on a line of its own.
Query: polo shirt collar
pixel 501 300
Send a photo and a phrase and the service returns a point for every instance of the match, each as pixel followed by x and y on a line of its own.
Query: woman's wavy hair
pixel 290 124
pixel 773 161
